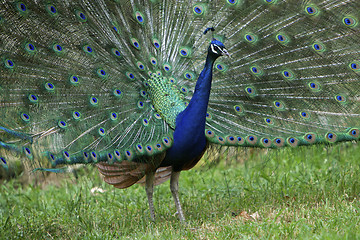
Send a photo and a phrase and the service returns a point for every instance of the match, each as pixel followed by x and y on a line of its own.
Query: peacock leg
pixel 174 187
pixel 149 187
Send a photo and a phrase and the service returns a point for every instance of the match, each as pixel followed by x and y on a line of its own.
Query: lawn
pixel 304 193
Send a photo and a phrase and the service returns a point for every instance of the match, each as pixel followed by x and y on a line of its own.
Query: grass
pixel 304 193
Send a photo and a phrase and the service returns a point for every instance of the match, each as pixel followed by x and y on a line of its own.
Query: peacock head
pixel 217 48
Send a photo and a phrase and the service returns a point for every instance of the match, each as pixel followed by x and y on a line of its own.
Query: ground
pixel 304 193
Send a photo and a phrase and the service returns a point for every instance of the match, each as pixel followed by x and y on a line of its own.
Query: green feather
pixel 104 81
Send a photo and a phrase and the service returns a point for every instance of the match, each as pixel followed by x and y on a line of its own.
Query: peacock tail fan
pixel 103 81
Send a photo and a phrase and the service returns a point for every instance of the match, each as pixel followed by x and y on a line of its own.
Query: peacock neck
pixel 189 137
pixel 199 102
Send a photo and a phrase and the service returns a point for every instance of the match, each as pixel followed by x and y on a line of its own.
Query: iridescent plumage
pixel 112 82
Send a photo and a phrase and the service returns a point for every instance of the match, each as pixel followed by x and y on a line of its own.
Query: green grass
pixel 305 193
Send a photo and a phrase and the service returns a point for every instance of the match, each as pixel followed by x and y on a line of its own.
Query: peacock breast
pixel 165 97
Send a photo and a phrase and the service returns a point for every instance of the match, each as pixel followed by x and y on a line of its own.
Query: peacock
pixel 142 88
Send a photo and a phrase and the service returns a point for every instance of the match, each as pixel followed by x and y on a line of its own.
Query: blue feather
pixel 113 83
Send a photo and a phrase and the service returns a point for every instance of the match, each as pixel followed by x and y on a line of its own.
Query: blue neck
pixel 195 113
pixel 189 135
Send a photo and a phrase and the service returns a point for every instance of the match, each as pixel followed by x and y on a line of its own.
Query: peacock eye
pixel 215 48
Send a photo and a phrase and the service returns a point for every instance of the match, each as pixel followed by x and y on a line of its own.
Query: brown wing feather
pixel 127 173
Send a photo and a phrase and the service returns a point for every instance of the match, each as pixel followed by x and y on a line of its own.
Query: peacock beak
pixel 225 52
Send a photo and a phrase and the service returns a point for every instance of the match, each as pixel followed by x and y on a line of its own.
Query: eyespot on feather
pixel 94 157
pixel 292 141
pixel 25 117
pixel 330 137
pixel 250 91
pixel 279 105
pixel 240 140
pixel 239 109
pixel 270 1
pixel 354 132
pixel 250 38
pixel 117 155
pixel 130 75
pixel 116 52
pixel 312 10
pixel 66 155
pixel 288 74
pixel 74 80
pixel 139 148
pixel 156 43
pixel 94 101
pixel 30 48
pixel 355 66
pixel 209 133
pixel 350 21
pixel 51 10
pixel 129 154
pixel 140 66
pixel 340 98
pixel 167 142
pixel 265 142
pixel 135 43
pixel 9 64
pixel 279 142
pixel 305 115
pixel 314 86
pixel 256 71
pixel 185 52
pixel 199 9
pixel 102 131
pixel 139 17
pixel 269 121
pixel 310 137
pixel 76 115
pixel 220 140
pixel 81 16
pixel 251 139
pixel 318 47
pixel 231 140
